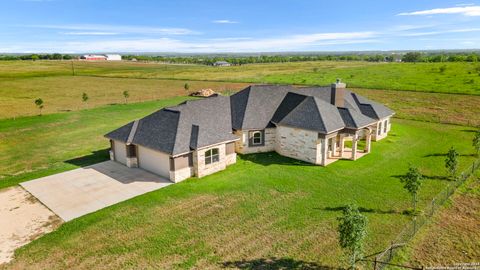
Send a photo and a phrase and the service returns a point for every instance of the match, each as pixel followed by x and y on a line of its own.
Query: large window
pixel 211 156
pixel 385 125
pixel 380 128
pixel 257 138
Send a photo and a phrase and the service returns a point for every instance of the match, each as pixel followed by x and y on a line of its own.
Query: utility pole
pixel 73 69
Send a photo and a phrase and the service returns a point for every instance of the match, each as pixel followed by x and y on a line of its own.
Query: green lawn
pixel 36 146
pixel 263 206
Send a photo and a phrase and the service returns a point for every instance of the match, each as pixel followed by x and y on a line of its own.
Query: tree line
pixel 242 60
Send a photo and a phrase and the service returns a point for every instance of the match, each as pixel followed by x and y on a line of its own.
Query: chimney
pixel 338 94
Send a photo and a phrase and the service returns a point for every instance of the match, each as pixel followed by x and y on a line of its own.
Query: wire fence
pixel 384 258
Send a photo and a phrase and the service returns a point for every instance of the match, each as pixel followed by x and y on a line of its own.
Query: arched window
pixel 257 138
pixel 385 126
pixel 380 128
pixel 212 156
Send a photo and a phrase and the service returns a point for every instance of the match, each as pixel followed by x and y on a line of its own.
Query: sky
pixel 88 26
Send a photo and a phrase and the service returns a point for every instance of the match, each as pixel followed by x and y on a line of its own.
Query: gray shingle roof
pixel 314 114
pixel 179 129
pixel 199 123
pixel 255 109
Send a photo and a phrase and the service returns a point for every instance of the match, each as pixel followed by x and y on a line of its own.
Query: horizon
pixel 207 27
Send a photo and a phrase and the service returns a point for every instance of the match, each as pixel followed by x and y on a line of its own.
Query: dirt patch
pixel 22 219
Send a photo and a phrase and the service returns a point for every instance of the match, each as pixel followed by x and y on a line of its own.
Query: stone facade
pixel 201 169
pixel 299 144
pixel 243 146
pixel 181 174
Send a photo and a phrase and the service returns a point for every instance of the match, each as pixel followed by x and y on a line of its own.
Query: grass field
pixel 24 81
pixel 454 233
pixel 456 78
pixel 63 93
pixel 264 206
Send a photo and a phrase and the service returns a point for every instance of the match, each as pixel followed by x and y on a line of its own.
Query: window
pixel 380 128
pixel 211 156
pixel 385 126
pixel 257 138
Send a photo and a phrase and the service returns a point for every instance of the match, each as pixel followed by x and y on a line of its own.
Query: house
pixel 222 64
pixel 200 137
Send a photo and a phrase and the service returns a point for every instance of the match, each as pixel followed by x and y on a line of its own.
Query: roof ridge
pixel 318 111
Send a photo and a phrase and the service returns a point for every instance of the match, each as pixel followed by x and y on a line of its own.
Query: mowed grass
pixel 64 93
pixel 263 206
pixel 41 145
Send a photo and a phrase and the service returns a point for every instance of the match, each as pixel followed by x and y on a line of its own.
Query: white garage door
pixel 153 161
pixel 120 152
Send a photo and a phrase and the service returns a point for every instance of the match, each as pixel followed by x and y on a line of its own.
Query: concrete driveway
pixel 78 192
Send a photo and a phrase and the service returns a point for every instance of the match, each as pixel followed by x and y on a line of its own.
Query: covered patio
pixel 337 148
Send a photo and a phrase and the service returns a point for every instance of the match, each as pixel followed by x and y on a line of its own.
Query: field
pixel 24 81
pixel 264 206
pixel 264 211
pixel 454 234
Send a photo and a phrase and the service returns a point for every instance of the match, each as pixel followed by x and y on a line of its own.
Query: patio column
pixel 368 141
pixel 334 146
pixel 354 146
pixel 324 151
pixel 342 145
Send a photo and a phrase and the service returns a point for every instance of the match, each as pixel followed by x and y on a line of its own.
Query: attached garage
pixel 154 161
pixel 120 152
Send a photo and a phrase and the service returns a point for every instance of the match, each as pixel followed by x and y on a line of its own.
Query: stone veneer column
pixel 324 151
pixel 334 146
pixel 342 145
pixel 354 146
pixel 368 143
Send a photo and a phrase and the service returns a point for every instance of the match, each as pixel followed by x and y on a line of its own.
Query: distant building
pixel 94 57
pixel 101 57
pixel 113 57
pixel 222 64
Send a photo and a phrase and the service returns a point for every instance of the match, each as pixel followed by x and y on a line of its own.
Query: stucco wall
pixel 376 136
pixel 298 143
pixel 242 145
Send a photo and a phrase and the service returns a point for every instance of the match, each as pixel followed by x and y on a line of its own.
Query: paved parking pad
pixel 81 191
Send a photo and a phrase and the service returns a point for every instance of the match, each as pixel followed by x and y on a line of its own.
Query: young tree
pixel 85 98
pixel 412 181
pixel 126 95
pixel 352 228
pixel 451 162
pixel 476 142
pixel 186 86
pixel 39 104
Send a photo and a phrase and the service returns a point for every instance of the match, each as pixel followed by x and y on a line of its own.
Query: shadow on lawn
pixel 445 154
pixel 274 264
pixel 363 210
pixel 272 158
pixel 430 177
pixel 93 158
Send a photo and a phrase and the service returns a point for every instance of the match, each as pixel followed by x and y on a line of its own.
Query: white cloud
pixel 463 10
pixel 89 33
pixel 464 30
pixel 285 43
pixel 224 21
pixel 124 29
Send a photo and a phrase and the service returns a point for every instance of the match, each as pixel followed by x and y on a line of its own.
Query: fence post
pixel 375 263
